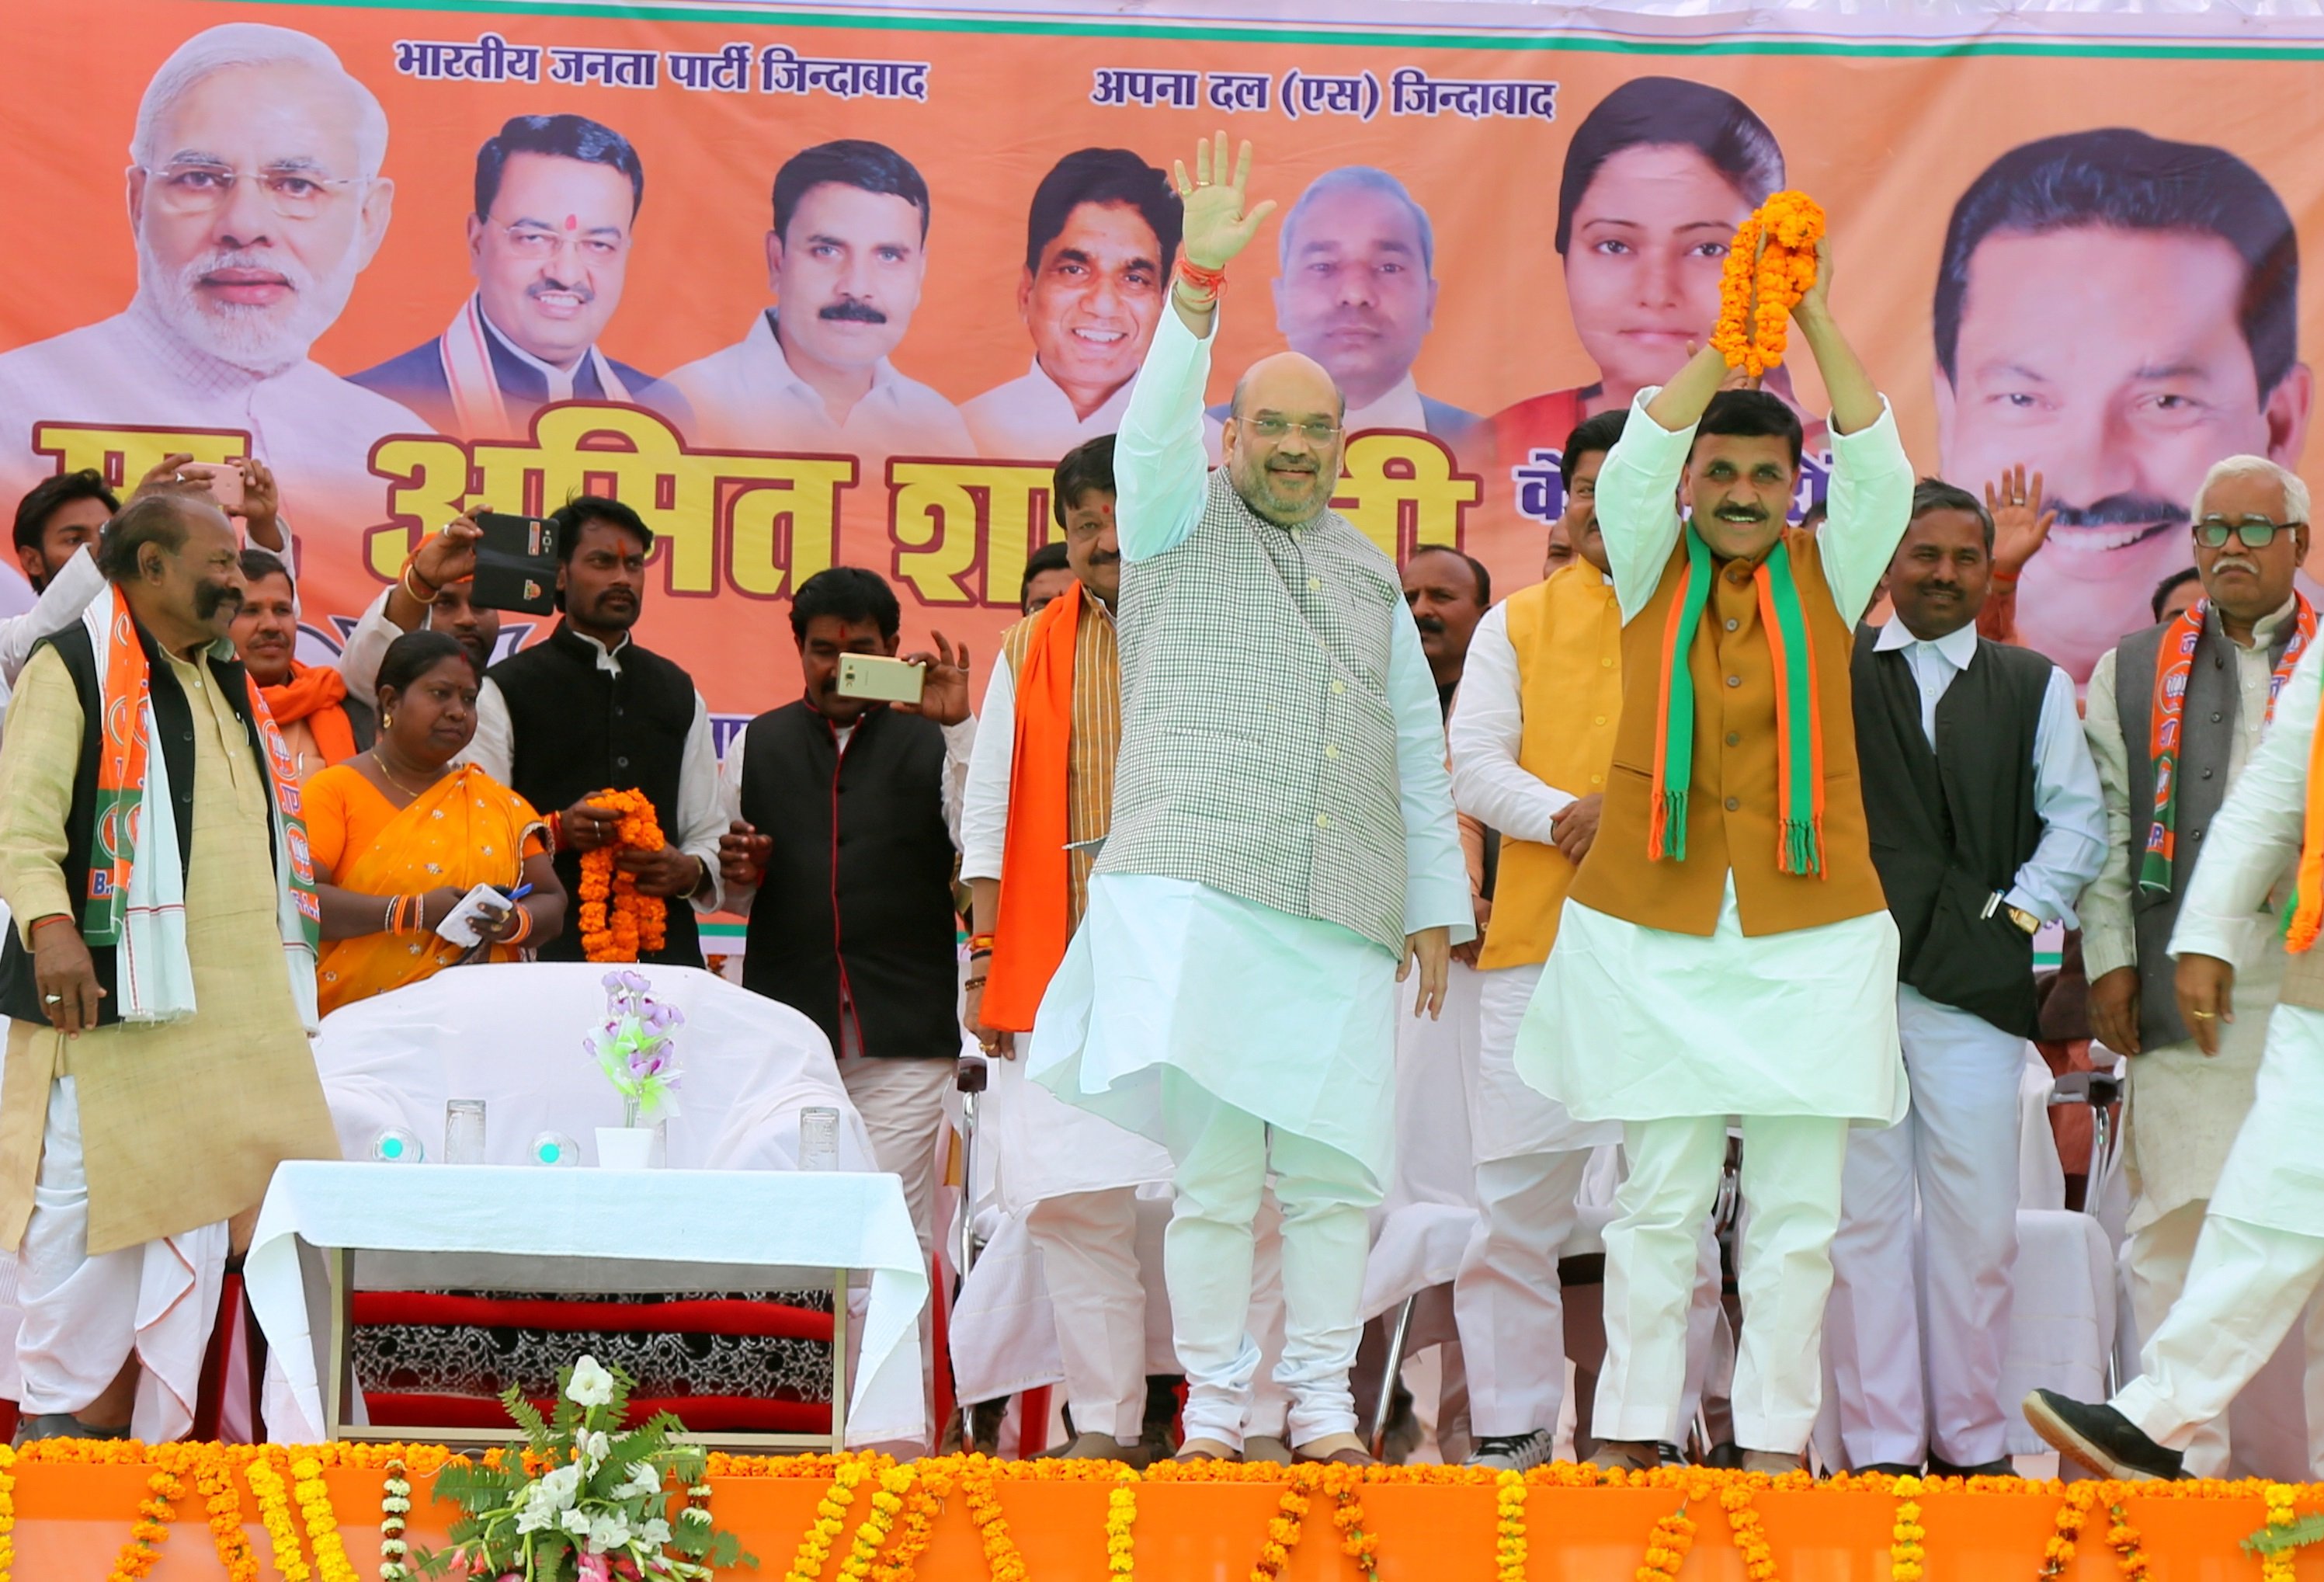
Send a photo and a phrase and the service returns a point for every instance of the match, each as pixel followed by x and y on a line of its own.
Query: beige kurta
pixel 183 1122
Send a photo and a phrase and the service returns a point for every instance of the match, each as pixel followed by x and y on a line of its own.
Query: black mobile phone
pixel 516 563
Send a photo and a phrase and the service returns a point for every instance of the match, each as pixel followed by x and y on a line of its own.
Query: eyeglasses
pixel 201 189
pixel 539 244
pixel 1317 431
pixel 2256 532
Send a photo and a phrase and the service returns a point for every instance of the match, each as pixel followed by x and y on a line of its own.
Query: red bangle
pixel 1212 281
pixel 43 922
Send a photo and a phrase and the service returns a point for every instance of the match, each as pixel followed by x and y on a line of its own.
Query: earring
pixel 386 721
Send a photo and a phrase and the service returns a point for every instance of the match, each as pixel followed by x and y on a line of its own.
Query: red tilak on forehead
pixel 571 223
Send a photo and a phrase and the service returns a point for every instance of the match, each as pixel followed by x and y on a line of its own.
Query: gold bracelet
pixel 408 578
pixel 974 983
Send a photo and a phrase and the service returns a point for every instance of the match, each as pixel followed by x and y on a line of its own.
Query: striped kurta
pixel 1096 734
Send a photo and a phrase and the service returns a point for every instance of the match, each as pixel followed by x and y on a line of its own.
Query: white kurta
pixel 1635 1023
pixel 1284 1017
pixel 313 427
pixel 1032 419
pixel 1043 1147
pixel 746 397
pixel 2275 1175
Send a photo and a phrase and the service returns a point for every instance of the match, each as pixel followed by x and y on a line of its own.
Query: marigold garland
pixel 151 1530
pixel 1749 1533
pixel 2123 1540
pixel 2059 1553
pixel 932 1483
pixel 1667 1545
pixel 1348 1515
pixel 214 1481
pixel 1120 1518
pixel 2277 1565
pixel 830 1522
pixel 1907 1557
pixel 1283 1531
pixel 1508 1526
pixel 617 922
pixel 1770 266
pixel 887 1504
pixel 7 1512
pixel 1002 1561
pixel 266 1481
pixel 394 1515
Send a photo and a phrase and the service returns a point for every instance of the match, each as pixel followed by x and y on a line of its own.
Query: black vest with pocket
pixel 1951 826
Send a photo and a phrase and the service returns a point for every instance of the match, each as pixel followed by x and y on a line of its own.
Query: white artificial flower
pixel 558 1490
pixel 645 1478
pixel 533 1518
pixel 576 1523
pixel 654 1533
pixel 593 1448
pixel 609 1531
pixel 590 1386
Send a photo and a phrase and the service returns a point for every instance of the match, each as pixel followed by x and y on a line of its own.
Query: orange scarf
pixel 1035 869
pixel 314 694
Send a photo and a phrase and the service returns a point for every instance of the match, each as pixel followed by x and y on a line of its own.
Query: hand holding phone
pixel 878 677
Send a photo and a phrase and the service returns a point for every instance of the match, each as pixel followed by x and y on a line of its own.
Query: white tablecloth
pixel 800 1225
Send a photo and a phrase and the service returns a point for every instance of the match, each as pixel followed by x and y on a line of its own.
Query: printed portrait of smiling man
pixel 255 197
pixel 1100 241
pixel 557 198
pixel 846 259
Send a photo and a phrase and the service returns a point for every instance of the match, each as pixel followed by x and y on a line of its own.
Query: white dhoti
pixel 1904 1389
pixel 2258 1261
pixel 1243 1038
pixel 1793 1034
pixel 1530 1159
pixel 85 1318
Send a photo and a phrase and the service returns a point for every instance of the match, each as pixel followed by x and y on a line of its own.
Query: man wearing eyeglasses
pixel 1282 851
pixel 256 199
pixel 2174 714
pixel 557 198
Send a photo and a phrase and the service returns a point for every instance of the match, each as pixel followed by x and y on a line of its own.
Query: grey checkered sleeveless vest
pixel 1257 746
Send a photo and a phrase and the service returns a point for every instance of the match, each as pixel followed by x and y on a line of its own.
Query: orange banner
pixel 833 287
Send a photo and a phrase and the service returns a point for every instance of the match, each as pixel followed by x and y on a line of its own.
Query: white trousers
pixel 1792 1169
pixel 902 1103
pixel 1222 1156
pixel 1905 1389
pixel 2247 1287
pixel 1506 1301
pixel 1089 1260
pixel 2161 1252
pixel 85 1318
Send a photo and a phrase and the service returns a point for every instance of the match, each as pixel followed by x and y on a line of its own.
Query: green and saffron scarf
pixel 1799 728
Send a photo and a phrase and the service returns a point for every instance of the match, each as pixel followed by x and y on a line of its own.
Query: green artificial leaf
pixel 527 1417
pixel 2268 1540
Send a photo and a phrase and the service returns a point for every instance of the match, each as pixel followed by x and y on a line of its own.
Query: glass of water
pixel 463 1131
pixel 818 1138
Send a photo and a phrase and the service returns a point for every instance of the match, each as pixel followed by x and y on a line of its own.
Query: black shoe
pixel 2100 1438
pixel 1940 1467
pixel 1893 1468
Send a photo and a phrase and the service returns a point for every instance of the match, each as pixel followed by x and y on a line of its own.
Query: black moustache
pixel 1103 559
pixel 1430 624
pixel 851 312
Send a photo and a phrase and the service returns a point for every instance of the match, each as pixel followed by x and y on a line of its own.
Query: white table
pixel 517 1228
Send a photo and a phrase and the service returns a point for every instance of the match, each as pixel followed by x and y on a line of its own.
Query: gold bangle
pixel 411 577
pixel 974 983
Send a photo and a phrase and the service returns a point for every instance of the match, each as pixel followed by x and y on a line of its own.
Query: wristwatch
pixel 2025 920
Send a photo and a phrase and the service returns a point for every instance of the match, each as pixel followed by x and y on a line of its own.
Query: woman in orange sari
pixel 401 834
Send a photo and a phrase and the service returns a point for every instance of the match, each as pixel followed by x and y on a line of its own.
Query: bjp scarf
pixel 2164 732
pixel 136 902
pixel 1035 868
pixel 1799 728
pixel 314 693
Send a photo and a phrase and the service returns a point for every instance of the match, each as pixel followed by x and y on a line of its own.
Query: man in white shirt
pixel 1358 294
pixel 1099 244
pixel 846 260
pixel 556 200
pixel 1985 823
pixel 256 199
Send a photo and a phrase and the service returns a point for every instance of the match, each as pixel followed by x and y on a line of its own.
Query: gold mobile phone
pixel 874 675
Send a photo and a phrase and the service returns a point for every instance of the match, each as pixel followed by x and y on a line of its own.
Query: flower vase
pixel 631 1146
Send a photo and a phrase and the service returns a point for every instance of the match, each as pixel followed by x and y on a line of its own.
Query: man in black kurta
pixel 845 818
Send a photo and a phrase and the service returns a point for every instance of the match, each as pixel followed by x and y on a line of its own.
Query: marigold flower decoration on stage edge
pixel 1121 1519
pixel 1002 1560
pixel 1770 266
pixel 267 1482
pixel 1283 1531
pixel 214 1481
pixel 2129 1556
pixel 1356 1541
pixel 394 1515
pixel 887 1504
pixel 2058 1554
pixel 830 1520
pixel 155 1512
pixel 617 922
pixel 2276 1565
pixel 1667 1545
pixel 1907 1558
pixel 1749 1533
pixel 1509 1526
pixel 7 1512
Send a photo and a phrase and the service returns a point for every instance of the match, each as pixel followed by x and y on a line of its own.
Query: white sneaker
pixel 1514 1452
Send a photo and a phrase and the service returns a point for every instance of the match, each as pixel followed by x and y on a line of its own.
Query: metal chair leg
pixel 1396 1342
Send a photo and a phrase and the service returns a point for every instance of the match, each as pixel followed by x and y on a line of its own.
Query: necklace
pixel 389 775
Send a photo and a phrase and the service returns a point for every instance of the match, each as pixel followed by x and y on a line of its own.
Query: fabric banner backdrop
pixel 493 254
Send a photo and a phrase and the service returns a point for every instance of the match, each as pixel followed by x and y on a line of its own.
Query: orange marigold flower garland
pixel 617 922
pixel 214 1481
pixel 1751 1534
pixel 1770 266
pixel 2058 1553
pixel 1667 1545
pixel 7 1512
pixel 2129 1556
pixel 266 1481
pixel 1508 1526
pixel 1348 1516
pixel 2276 1564
pixel 830 1522
pixel 155 1512
pixel 932 1483
pixel 887 1504
pixel 1906 1558
pixel 1002 1561
pixel 1283 1531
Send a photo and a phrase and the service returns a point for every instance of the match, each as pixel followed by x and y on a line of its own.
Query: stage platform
pixel 72 1518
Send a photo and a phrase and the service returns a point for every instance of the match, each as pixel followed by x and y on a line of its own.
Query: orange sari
pixel 466 829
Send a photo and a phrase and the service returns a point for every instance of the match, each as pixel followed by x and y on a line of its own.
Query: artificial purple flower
pixel 612 981
pixel 635 983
